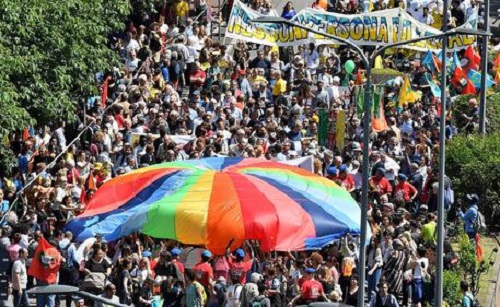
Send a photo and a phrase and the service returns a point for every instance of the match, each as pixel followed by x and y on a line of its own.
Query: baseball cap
pixel 206 253
pixel 175 251
pixel 310 271
pixel 332 170
pixel 356 146
pixel 239 253
pixel 146 254
pixel 472 196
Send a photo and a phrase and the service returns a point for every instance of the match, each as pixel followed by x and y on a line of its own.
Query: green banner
pixel 323 126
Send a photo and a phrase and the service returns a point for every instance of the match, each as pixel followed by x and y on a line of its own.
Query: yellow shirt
pixel 181 9
pixel 428 232
pixel 279 87
pixel 256 80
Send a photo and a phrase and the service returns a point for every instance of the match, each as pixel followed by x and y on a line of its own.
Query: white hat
pixel 336 79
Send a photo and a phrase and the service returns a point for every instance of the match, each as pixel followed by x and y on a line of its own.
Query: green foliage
pixel 473 163
pixel 451 287
pixel 467 256
pixel 50 52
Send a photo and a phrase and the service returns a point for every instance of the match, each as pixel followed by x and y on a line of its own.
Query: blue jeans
pixel 20 298
pixel 45 300
pixel 373 281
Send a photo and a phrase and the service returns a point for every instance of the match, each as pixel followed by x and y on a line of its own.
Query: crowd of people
pixel 181 94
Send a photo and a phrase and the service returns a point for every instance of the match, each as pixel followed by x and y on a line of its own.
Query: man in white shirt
pixel 391 167
pixel 108 294
pixel 20 280
pixel 425 17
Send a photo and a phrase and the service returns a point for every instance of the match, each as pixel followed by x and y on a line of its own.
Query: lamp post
pixel 368 62
pixel 484 67
pixel 438 299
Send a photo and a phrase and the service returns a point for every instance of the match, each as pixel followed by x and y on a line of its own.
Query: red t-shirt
pixel 197 78
pixel 347 182
pixel 381 185
pixel 405 189
pixel 179 265
pixel 203 272
pixel 311 289
pixel 240 268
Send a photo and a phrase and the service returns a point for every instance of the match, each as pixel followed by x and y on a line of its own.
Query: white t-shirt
pixel 19 268
pixel 423 263
pixel 233 295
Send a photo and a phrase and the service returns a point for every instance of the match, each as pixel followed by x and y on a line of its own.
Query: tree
pixel 50 53
pixel 473 163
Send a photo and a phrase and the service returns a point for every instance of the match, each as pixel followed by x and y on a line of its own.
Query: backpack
pixel 237 273
pixel 473 301
pixel 257 302
pixel 479 223
pixel 203 298
pixel 94 282
pixel 220 293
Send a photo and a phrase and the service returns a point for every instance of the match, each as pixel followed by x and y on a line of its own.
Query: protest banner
pixel 366 29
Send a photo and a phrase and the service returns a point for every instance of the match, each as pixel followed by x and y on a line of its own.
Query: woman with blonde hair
pixel 142 271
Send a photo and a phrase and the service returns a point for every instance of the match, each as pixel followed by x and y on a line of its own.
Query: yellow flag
pixel 406 95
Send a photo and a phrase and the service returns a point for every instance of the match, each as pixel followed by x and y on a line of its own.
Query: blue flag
pixel 435 89
pixel 428 61
pixel 475 77
pixel 455 63
pixel 448 60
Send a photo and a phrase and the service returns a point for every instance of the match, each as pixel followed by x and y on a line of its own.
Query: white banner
pixel 176 138
pixel 367 29
pixel 306 163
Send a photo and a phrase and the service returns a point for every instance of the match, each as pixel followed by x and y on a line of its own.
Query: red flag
pixel 473 57
pixel 378 117
pixel 479 248
pixel 458 78
pixel 437 63
pixel 104 97
pixel 469 88
pixel 496 63
pixel 46 262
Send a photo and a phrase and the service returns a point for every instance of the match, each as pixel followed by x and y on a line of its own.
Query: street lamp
pixel 368 63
